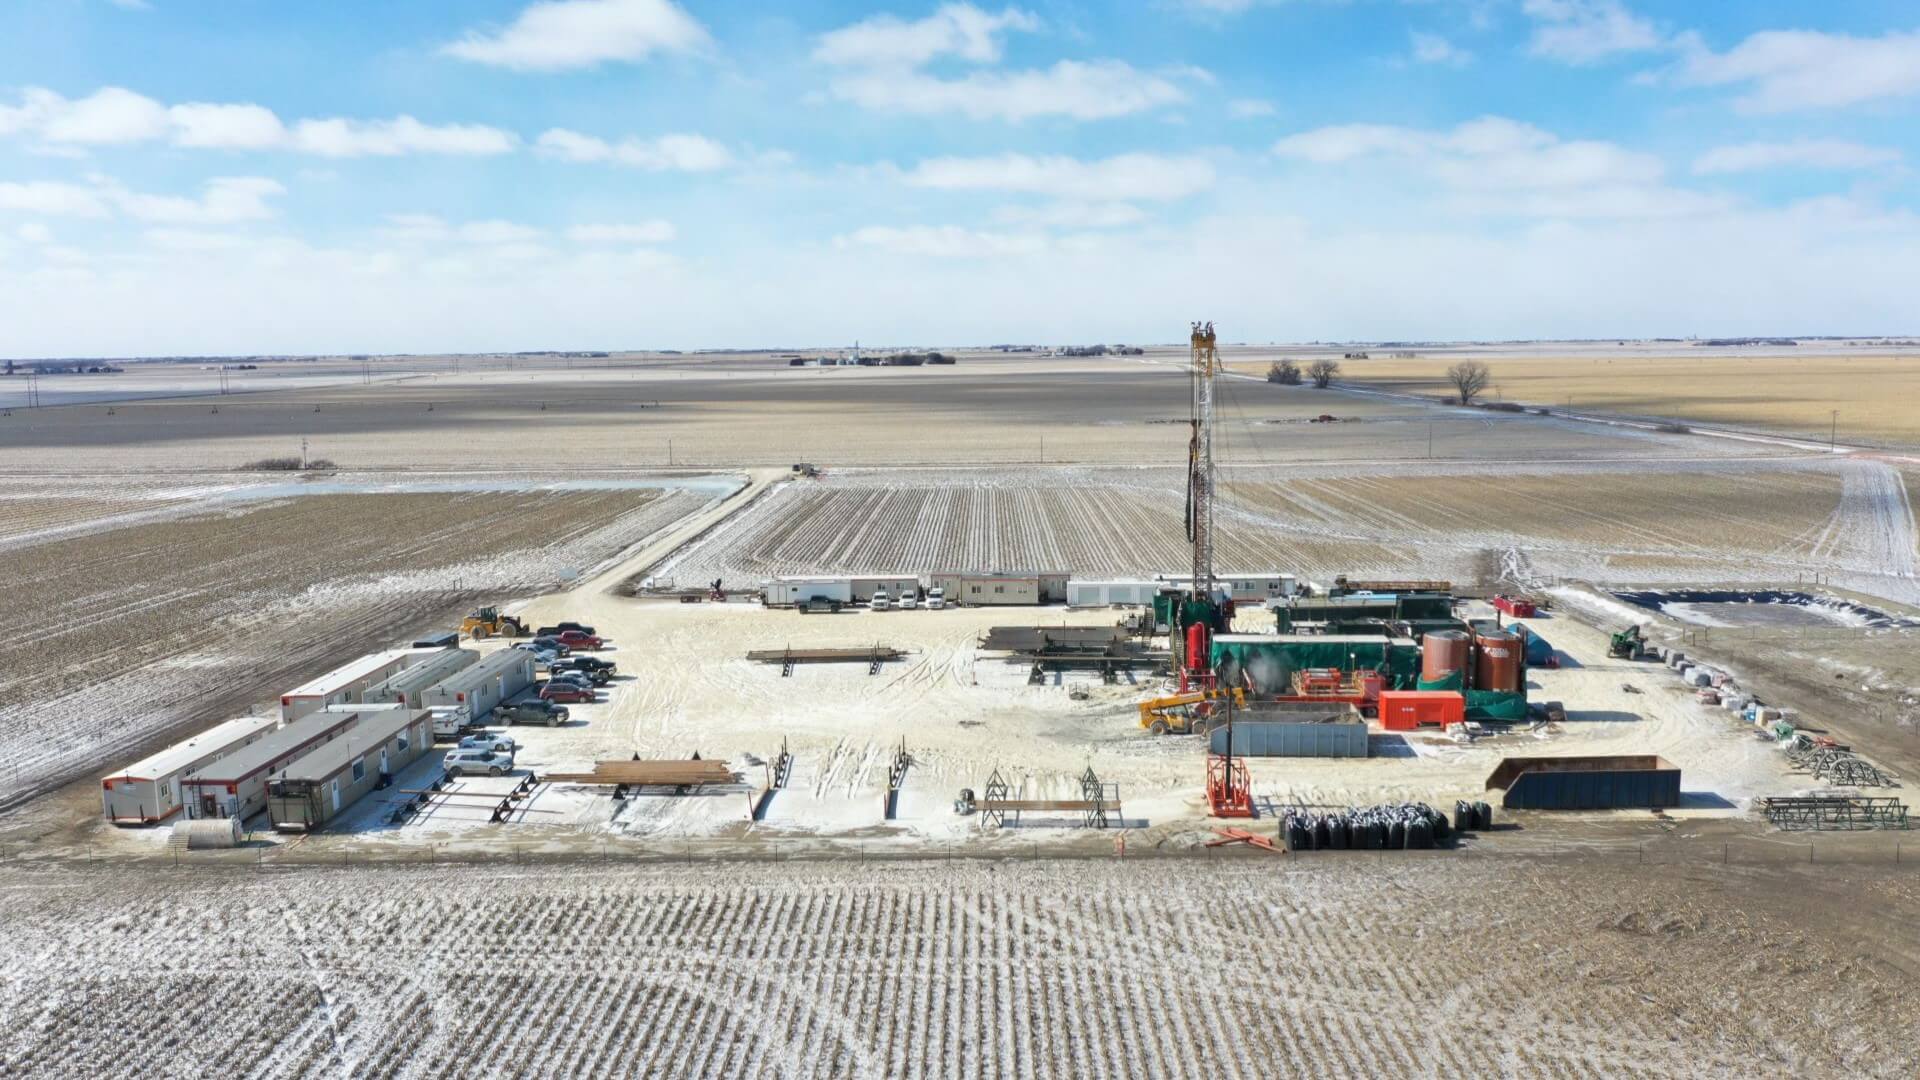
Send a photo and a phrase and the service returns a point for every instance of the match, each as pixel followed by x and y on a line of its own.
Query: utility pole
pixel 303 454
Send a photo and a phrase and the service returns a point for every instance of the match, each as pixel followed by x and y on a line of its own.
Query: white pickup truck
pixel 451 721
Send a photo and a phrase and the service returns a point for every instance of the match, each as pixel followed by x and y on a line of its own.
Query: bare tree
pixel 1284 372
pixel 1322 372
pixel 1469 378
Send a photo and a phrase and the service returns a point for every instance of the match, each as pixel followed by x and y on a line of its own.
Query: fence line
pixel 1867 847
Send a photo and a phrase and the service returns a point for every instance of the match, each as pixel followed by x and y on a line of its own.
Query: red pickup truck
pixel 579 639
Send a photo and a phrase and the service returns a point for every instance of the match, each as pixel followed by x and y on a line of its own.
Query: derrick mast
pixel 1200 461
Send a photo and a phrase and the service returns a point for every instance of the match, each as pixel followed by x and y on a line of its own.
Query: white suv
pixel 488 740
pixel 908 601
pixel 936 598
pixel 881 601
pixel 463 762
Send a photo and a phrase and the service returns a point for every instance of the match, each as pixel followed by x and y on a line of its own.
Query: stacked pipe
pixel 1395 827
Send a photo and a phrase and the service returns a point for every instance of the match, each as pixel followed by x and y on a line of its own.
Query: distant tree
pixel 1322 372
pixel 1469 379
pixel 1284 372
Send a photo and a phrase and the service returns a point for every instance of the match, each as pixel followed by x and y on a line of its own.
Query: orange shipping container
pixel 1405 710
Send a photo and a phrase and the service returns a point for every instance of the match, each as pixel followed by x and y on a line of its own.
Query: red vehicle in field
pixel 566 693
pixel 579 639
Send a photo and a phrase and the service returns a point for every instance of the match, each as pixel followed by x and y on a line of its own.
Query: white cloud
pixel 197 240
pixel 1125 176
pixel 227 127
pixel 131 5
pixel 498 232
pixel 883 62
pixel 1786 70
pixel 1832 154
pixel 342 138
pixel 1083 90
pixel 1434 49
pixel 54 198
pixel 960 30
pixel 1246 108
pixel 645 232
pixel 1495 165
pixel 115 115
pixel 1072 215
pixel 1588 31
pixel 225 200
pixel 557 35
pixel 35 233
pixel 943 241
pixel 678 152
pixel 109 115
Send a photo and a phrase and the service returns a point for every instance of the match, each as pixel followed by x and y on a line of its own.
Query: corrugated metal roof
pixel 374 729
pixel 349 673
pixel 183 754
pixel 250 759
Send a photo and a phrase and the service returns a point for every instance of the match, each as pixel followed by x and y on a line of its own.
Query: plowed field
pixel 119 636
pixel 1321 966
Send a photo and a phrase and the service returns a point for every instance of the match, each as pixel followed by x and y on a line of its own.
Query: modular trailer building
pixel 493 680
pixel 1270 738
pixel 235 786
pixel 345 684
pixel 148 791
pixel 306 794
pixel 788 591
pixel 407 687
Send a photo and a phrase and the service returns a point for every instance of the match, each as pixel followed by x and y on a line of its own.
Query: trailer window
pixel 360 770
pixel 400 743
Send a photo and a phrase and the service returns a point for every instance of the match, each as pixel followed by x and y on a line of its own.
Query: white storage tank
pixel 202 834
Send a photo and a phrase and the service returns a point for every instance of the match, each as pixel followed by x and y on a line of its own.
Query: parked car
pixel 908 601
pixel 465 762
pixel 582 627
pixel 936 598
pixel 881 601
pixel 590 663
pixel 567 692
pixel 595 676
pixel 560 628
pixel 552 643
pixel 533 711
pixel 575 639
pixel 487 740
pixel 577 678
pixel 541 657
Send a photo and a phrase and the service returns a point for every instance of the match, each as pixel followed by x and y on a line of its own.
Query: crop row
pixel 1151 968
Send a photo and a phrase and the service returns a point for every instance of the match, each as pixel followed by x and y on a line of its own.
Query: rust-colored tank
pixel 1497 660
pixel 1444 652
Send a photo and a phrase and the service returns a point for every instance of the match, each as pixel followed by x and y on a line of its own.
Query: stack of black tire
pixel 1398 827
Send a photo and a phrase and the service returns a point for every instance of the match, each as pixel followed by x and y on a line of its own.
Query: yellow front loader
pixel 1182 713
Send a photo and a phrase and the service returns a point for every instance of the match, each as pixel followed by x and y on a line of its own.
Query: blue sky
pixel 263 176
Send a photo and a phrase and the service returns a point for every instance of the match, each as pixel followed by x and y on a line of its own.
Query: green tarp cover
pixel 1496 705
pixel 1455 681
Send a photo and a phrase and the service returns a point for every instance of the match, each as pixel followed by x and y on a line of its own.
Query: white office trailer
pixel 788 591
pixel 346 684
pixel 407 687
pixel 896 586
pixel 1108 593
pixel 235 786
pixel 310 792
pixel 495 679
pixel 148 791
pixel 1243 588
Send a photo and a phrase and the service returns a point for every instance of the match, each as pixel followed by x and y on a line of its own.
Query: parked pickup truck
pixel 571 666
pixel 560 628
pixel 532 711
pixel 576 639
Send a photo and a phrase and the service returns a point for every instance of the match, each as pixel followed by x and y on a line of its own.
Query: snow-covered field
pixel 1445 964
pixel 129 628
pixel 1847 522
